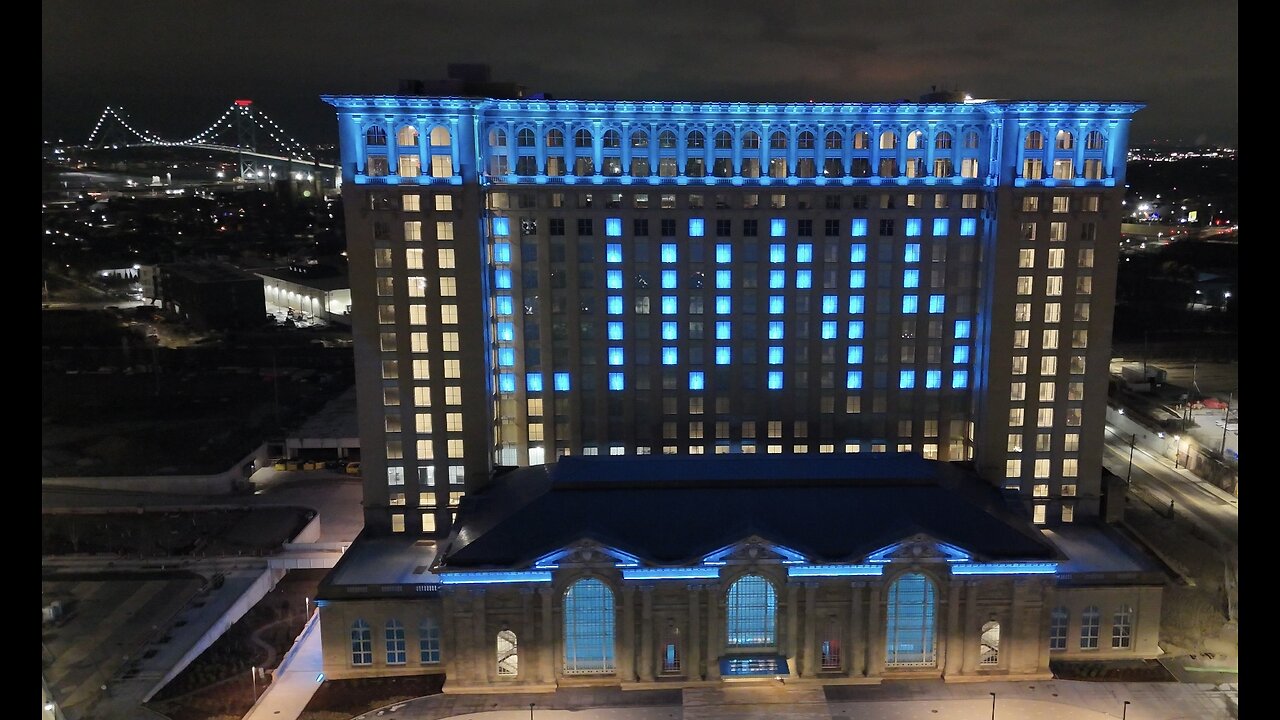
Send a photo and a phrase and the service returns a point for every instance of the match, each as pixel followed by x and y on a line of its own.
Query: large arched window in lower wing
pixel 910 631
pixel 588 628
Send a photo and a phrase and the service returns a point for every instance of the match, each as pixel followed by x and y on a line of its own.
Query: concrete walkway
pixel 295 681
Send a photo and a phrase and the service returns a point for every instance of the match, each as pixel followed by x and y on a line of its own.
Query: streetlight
pixel 1124 710
pixel 1128 477
pixel 993 706
pixel 531 711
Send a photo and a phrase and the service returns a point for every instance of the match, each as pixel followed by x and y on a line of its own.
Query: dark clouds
pixel 174 65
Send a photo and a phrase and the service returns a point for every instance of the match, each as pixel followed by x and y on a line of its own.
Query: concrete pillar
pixel 627 638
pixel 646 633
pixel 955 633
pixel 808 660
pixel 857 653
pixel 548 657
pixel 971 631
pixel 791 648
pixel 693 638
pixel 715 604
pixel 875 634
pixel 528 633
pixel 486 647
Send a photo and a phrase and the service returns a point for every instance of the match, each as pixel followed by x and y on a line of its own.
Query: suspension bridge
pixel 242 129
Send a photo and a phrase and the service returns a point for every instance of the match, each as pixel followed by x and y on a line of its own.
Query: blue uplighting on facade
pixel 1012 568
pixel 675 573
pixel 495 577
pixel 835 570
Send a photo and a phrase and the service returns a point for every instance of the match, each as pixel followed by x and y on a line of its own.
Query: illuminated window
pixel 588 628
pixel 508 647
pixel 909 622
pixel 750 613
pixel 989 644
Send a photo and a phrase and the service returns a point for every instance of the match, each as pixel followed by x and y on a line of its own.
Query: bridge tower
pixel 247 139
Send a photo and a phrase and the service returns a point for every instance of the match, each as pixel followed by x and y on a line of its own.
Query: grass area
pixel 254 531
pixel 1110 671
pixel 343 699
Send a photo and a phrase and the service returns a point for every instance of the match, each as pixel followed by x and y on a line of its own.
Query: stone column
pixel 646 633
pixel 485 645
pixel 856 653
pixel 791 648
pixel 692 638
pixel 955 631
pixel 548 658
pixel 971 631
pixel 627 638
pixel 715 602
pixel 808 655
pixel 875 634
pixel 533 670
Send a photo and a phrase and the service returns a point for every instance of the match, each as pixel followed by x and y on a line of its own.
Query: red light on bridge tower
pixel 243 103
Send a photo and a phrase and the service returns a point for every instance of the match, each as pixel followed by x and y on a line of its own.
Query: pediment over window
pixel 753 549
pixel 587 552
pixel 920 548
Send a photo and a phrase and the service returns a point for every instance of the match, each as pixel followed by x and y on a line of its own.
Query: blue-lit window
pixel 960 354
pixel 670 331
pixel 909 623
pixel 668 252
pixel 857 253
pixel 959 379
pixel 776 330
pixel 616 356
pixel 361 643
pixel 670 304
pixel 777 253
pixel 506 383
pixel 778 227
pixel 614 330
pixel 502 226
pixel 506 332
pixel 910 304
pixel 830 304
pixel 502 279
pixel 775 380
pixel 617 381
pixel 506 357
pixel 804 253
pixel 668 279
pixel 502 252
pixel 962 329
pixel 933 379
pixel 857 304
pixel 855 355
pixel 941 227
pixel 855 329
pixel 828 329
pixel 560 381
pixel 777 305
pixel 937 304
pixel 613 227
pixel 723 355
pixel 724 304
pixel 906 379
pixel 504 305
pixel 613 279
pixel 613 253
pixel 533 382
pixel 670 356
pixel 696 380
pixel 751 609
pixel 910 278
pixel 777 279
pixel 968 227
pixel 775 355
pixel 723 331
pixel 724 253
pixel 913 227
pixel 911 253
pixel 853 380
pixel 857 279
pixel 697 227
pixel 858 228
pixel 804 279
pixel 724 279
pixel 613 305
pixel 588 628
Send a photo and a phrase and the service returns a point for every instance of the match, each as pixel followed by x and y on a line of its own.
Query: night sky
pixel 174 65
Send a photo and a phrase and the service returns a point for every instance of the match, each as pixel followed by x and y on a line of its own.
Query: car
pixel 353 468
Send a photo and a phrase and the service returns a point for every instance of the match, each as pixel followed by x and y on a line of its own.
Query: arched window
pixel 778 140
pixel 861 140
pixel 525 138
pixel 582 138
pixel 588 628
pixel 671 652
pixel 805 140
pixel 1089 621
pixel 1034 140
pixel 751 140
pixel 888 140
pixel 508 654
pixel 666 139
pixel 724 141
pixel 440 137
pixel 1094 140
pixel 375 136
pixel 407 136
pixel 942 141
pixel 1058 618
pixel 751 610
pixel 909 623
pixel 695 139
pixel 1122 628
pixel 612 139
pixel 971 140
pixel 428 641
pixel 639 139
pixel 361 643
pixel 989 644
pixel 555 138
pixel 833 140
pixel 497 137
pixel 830 648
pixel 395 643
pixel 1065 140
pixel 915 140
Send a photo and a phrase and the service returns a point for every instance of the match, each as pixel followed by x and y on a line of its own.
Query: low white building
pixel 308 291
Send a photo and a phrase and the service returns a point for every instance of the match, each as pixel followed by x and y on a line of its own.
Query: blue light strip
pixel 675 573
pixel 835 570
pixel 495 577
pixel 1029 568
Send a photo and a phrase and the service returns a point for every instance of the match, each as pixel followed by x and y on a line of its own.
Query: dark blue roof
pixel 673 510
